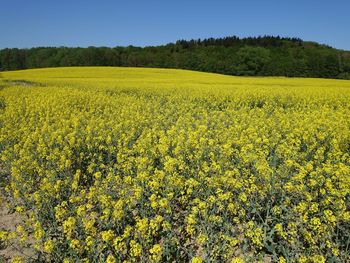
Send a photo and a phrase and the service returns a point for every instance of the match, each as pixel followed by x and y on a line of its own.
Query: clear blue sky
pixel 29 23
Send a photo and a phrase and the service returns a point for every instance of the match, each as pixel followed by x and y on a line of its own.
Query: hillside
pixel 111 164
pixel 260 56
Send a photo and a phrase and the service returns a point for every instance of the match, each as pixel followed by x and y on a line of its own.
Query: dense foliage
pixel 261 56
pixel 151 165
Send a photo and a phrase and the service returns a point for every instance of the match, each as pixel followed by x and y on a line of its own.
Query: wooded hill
pixel 252 56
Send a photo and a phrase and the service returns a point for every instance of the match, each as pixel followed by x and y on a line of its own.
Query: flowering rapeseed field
pixel 153 165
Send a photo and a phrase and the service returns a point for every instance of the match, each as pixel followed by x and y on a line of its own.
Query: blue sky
pixel 29 23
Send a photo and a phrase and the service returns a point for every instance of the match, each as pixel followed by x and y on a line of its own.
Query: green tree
pixel 251 60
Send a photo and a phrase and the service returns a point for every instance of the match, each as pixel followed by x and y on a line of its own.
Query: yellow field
pixel 160 165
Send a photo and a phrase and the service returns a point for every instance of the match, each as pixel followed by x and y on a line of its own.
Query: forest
pixel 251 56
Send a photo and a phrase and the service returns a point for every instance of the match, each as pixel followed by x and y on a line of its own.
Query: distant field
pixel 112 164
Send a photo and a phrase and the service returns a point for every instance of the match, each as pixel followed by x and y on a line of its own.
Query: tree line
pixel 252 56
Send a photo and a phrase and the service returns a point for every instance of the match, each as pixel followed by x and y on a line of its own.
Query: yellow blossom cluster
pixel 156 165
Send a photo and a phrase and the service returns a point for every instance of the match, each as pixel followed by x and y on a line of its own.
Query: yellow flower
pixel 60 211
pixel 196 260
pixel 243 197
pixel 138 159
pixel 335 251
pixel 166 226
pixel 330 217
pixel 135 249
pixel 318 259
pixel 202 239
pixel 107 235
pixel 89 241
pixel 302 259
pixel 279 230
pixel 153 199
pixel 3 235
pixel 276 210
pixel 111 259
pixel 38 231
pixel 119 245
pixel 142 226
pixel 315 223
pixel 237 260
pixel 74 244
pixel 155 253
pixel 17 259
pixel 281 260
pixel 154 224
pixel 48 246
pixel 69 225
pixel 163 203
pixel 19 209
